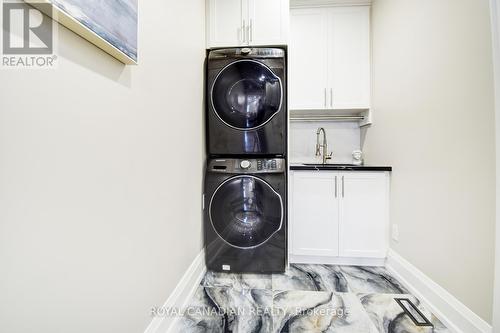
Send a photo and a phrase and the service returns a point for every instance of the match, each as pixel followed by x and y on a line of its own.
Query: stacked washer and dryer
pixel 245 196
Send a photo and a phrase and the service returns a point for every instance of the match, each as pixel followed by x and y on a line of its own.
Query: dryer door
pixel 245 211
pixel 246 94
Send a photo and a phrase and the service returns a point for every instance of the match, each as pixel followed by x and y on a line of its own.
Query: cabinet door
pixel 364 220
pixel 314 214
pixel 349 57
pixel 226 22
pixel 308 59
pixel 268 22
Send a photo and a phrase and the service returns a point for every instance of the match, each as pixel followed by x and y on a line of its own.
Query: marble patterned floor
pixel 306 298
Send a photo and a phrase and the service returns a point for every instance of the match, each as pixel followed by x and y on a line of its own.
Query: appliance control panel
pixel 247 52
pixel 242 166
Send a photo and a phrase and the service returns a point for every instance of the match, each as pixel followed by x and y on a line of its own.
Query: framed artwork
pixel 109 24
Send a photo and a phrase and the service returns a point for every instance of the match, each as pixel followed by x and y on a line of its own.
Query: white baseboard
pixel 301 259
pixel 181 295
pixel 454 314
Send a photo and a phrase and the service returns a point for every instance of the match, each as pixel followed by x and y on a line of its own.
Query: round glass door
pixel 246 94
pixel 245 211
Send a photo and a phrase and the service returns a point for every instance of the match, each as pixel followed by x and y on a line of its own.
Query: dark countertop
pixel 339 167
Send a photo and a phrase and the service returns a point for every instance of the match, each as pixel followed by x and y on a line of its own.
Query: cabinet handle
pixel 243 32
pixel 331 97
pixel 251 30
pixel 343 187
pixel 325 99
pixel 336 187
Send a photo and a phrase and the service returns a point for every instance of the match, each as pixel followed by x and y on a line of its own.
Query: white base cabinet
pixel 314 215
pixel 339 215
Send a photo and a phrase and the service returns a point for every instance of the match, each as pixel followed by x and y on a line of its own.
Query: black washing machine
pixel 245 215
pixel 246 97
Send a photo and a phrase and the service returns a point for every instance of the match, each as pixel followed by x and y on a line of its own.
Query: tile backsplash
pixel 343 138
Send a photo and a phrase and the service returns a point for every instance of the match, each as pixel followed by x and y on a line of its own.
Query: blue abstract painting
pixel 113 20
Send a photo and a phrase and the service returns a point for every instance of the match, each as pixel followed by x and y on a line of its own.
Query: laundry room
pixel 250 166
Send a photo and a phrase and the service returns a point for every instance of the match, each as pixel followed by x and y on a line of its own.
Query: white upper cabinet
pixel 225 22
pixel 233 23
pixel 349 57
pixel 330 58
pixel 268 20
pixel 308 59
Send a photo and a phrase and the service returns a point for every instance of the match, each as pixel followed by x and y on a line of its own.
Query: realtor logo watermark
pixel 28 35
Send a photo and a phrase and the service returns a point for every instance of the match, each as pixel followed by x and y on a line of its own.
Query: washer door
pixel 246 94
pixel 245 211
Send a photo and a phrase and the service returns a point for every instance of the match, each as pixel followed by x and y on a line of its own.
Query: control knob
pixel 245 164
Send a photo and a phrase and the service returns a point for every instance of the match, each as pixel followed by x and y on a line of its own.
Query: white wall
pixel 101 177
pixel 342 137
pixel 495 18
pixel 434 123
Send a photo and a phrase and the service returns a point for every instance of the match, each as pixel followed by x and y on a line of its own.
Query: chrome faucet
pixel 322 149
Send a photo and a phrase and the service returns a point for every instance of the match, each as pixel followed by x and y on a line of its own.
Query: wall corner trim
pixel 181 295
pixel 453 313
pixel 495 37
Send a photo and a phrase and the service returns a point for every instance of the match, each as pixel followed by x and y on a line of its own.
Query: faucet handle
pixel 329 157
